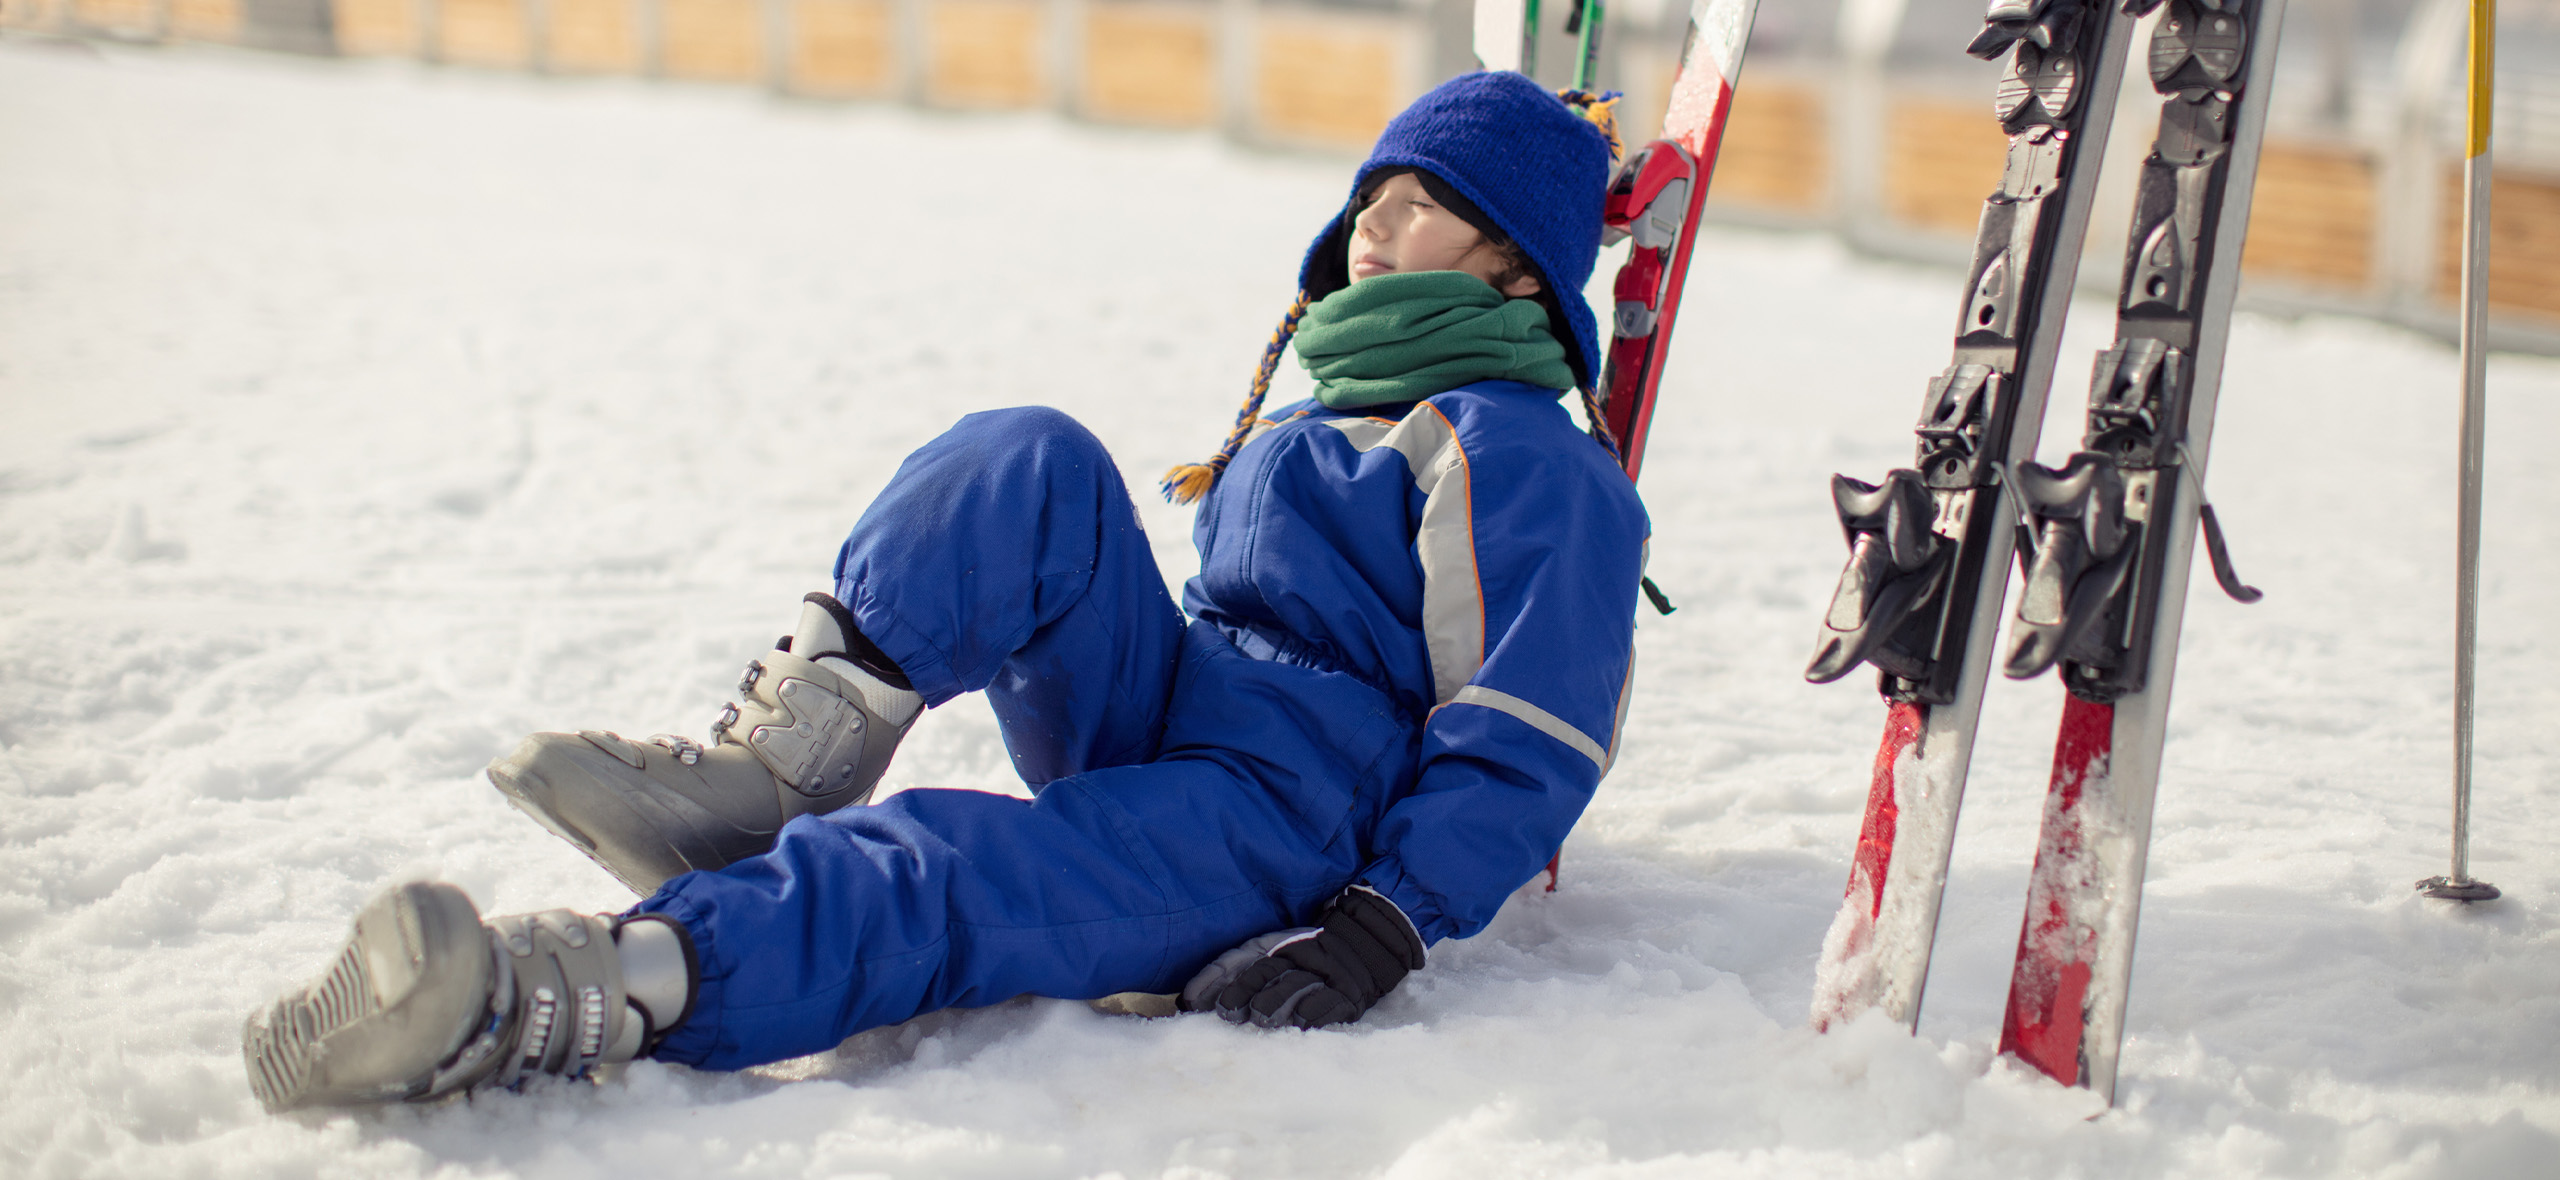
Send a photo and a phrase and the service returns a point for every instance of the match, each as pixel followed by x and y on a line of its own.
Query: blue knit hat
pixel 1526 165
pixel 1535 166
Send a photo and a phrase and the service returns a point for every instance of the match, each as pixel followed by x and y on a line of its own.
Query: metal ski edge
pixel 2066 1010
pixel 1904 915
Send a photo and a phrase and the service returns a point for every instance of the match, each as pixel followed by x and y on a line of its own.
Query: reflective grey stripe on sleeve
pixel 1452 594
pixel 1618 724
pixel 1536 718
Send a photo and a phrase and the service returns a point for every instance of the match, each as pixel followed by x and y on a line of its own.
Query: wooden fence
pixel 2316 231
pixel 1326 78
pixel 2339 223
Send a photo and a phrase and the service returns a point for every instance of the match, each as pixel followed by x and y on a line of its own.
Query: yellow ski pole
pixel 2458 885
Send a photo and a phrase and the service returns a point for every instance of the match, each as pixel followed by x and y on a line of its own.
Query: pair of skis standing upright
pixel 2106 539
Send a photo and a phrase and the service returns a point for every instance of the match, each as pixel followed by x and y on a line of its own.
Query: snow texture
pixel 362 417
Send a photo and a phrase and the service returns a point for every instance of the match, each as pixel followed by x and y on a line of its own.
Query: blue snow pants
pixel 1186 797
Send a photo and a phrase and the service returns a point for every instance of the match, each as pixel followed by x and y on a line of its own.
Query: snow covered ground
pixel 356 419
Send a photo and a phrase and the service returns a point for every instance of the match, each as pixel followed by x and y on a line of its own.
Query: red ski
pixel 1656 194
pixel 1930 545
pixel 2115 532
pixel 1655 199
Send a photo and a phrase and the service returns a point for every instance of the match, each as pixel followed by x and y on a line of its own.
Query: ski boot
pixel 823 712
pixel 426 1001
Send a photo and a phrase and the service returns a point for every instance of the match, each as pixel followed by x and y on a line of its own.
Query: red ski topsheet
pixel 2056 946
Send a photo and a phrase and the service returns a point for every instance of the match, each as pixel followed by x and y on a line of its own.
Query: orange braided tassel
pixel 1187 482
pixel 1600 425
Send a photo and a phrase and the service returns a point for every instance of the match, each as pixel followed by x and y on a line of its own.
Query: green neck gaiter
pixel 1404 337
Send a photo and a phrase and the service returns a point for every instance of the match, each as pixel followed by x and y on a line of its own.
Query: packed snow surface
pixel 361 418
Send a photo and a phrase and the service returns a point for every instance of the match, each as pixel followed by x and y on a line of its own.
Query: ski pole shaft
pixel 2475 355
pixel 2458 885
pixel 1529 39
pixel 1586 67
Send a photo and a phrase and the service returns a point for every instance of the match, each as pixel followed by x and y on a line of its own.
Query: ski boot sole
pixel 408 989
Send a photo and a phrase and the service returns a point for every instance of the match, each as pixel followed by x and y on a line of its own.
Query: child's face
pixel 1403 230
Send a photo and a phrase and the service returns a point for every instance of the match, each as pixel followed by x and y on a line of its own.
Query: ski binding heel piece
pixel 1895 564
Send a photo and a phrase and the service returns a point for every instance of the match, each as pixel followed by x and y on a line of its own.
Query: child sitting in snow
pixel 1384 701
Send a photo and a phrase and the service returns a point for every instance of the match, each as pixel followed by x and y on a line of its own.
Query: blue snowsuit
pixel 1405 660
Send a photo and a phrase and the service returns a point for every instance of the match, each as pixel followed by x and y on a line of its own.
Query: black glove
pixel 1315 975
